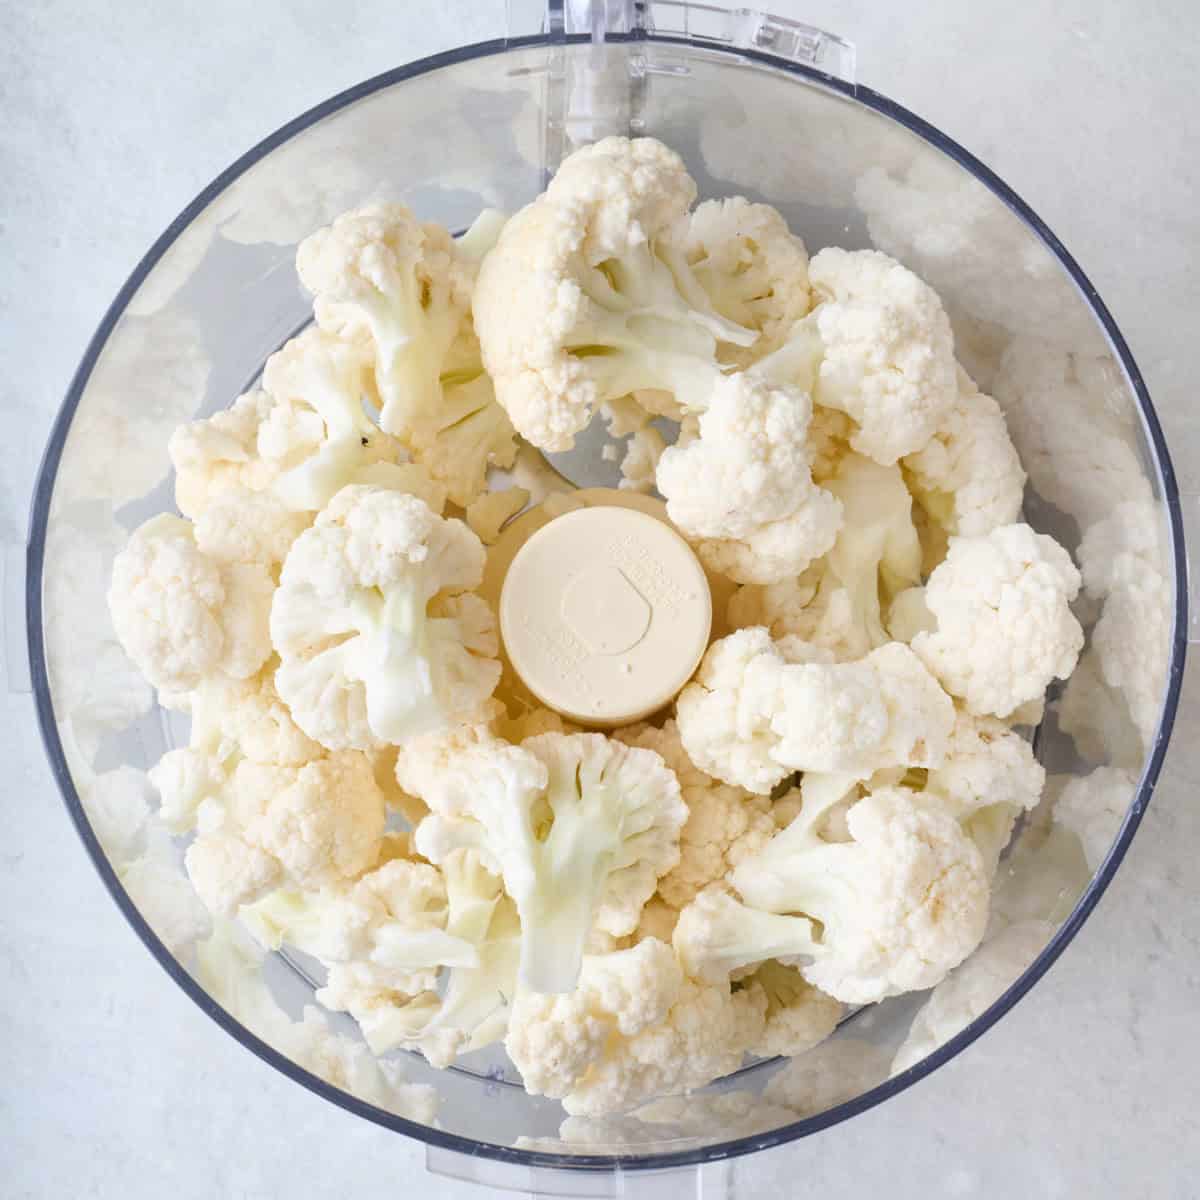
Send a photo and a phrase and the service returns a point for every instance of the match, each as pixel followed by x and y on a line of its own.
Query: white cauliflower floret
pixel 752 718
pixel 752 267
pixel 580 826
pixel 180 615
pixel 378 637
pixel 1124 561
pixel 724 824
pixel 838 604
pixel 302 827
pixel 221 453
pixel 159 890
pixel 899 904
pixel 587 298
pixel 378 271
pixel 799 1016
pixel 240 526
pixel 887 351
pixel 1093 807
pixel 968 477
pixel 987 779
pixel 639 464
pixel 971 989
pixel 1048 396
pixel 634 1028
pixel 1004 623
pixel 838 1070
pixel 742 492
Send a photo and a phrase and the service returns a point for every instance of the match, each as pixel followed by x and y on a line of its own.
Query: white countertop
pixel 111 1082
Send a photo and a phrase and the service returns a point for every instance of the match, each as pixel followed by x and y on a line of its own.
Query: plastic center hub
pixel 605 614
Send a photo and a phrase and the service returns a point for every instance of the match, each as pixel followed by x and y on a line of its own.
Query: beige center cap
pixel 605 614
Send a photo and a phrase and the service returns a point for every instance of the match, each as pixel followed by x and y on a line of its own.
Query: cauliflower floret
pixel 752 267
pixel 1093 806
pixel 752 718
pixel 1004 625
pixel 379 639
pixel 180 615
pixel 971 989
pixel 900 903
pixel 987 779
pixel 240 526
pixel 472 1010
pixel 968 477
pixel 876 556
pixel 724 824
pixel 162 895
pixel 799 1016
pixel 639 464
pixel 221 453
pixel 301 827
pixel 887 357
pixel 742 491
pixel 580 826
pixel 586 297
pixel 634 1027
pixel 378 272
pixel 1124 563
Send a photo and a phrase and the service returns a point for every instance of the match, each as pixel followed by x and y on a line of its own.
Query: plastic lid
pixel 605 614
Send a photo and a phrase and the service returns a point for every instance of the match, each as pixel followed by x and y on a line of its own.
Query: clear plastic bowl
pixel 482 126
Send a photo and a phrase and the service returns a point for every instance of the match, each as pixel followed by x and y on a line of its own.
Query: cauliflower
pixel 876 556
pixel 899 904
pixel 742 491
pixel 160 892
pixel 1124 561
pixel 751 717
pixel 724 824
pixel 886 351
pixel 580 826
pixel 398 290
pixel 301 827
pixel 971 989
pixel 987 779
pixel 1004 625
pixel 754 270
pixel 968 477
pixel 379 638
pixel 379 273
pixel 180 615
pixel 639 464
pixel 633 1028
pixel 1093 808
pixel 588 296
pixel 232 720
pixel 799 1016
pixel 475 936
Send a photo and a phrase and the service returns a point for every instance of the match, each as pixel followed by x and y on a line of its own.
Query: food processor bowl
pixel 756 106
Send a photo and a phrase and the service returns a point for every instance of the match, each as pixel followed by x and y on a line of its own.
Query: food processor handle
pixel 736 28
pixel 705 1181
pixel 16 648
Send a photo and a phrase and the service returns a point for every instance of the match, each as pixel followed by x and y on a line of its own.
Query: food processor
pixel 757 106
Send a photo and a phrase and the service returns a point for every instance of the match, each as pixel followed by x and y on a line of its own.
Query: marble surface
pixel 111 1082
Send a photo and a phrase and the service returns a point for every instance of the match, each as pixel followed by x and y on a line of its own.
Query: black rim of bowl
pixel 471 1147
